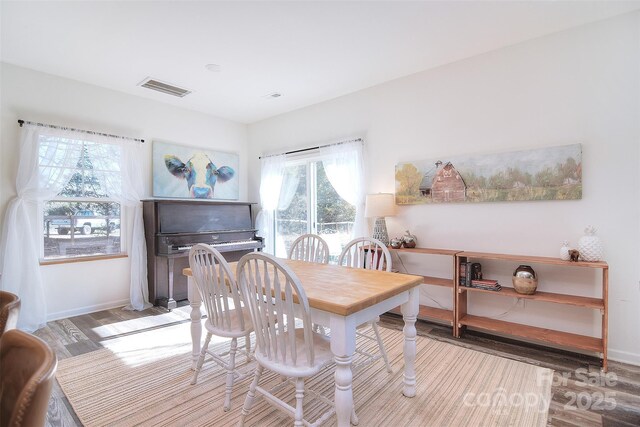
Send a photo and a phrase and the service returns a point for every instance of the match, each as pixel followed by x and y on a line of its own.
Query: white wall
pixel 31 95
pixel 580 85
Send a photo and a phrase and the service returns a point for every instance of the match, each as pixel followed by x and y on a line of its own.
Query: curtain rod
pixel 22 122
pixel 312 148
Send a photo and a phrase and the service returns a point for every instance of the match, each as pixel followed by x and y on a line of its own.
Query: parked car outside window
pixel 85 222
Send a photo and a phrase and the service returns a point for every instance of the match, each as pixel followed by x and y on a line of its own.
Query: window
pixel 309 204
pixel 82 219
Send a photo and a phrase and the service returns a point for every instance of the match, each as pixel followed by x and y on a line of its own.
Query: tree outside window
pixel 82 221
pixel 314 207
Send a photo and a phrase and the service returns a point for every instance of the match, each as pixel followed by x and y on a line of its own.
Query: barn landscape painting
pixel 552 173
pixel 189 172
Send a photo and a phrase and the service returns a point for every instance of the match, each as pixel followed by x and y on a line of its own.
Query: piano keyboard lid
pixel 199 233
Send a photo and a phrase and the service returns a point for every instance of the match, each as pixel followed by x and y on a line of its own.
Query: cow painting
pixel 200 173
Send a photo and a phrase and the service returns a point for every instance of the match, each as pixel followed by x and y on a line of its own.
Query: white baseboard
pixel 624 356
pixel 86 310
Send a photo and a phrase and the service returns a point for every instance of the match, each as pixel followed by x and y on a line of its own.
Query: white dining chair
pixel 285 341
pixel 311 248
pixel 370 254
pixel 228 315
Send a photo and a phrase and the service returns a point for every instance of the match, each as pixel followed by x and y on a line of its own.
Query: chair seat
pixel 322 357
pixel 235 331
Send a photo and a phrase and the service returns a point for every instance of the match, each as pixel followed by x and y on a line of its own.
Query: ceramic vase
pixel 590 246
pixel 525 280
pixel 564 251
pixel 409 240
pixel 395 243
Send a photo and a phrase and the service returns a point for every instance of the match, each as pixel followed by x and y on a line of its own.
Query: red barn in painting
pixel 448 185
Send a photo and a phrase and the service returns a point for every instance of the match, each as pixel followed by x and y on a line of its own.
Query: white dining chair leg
pixel 299 401
pixel 247 345
pixel 383 351
pixel 230 375
pixel 203 353
pixel 354 418
pixel 248 401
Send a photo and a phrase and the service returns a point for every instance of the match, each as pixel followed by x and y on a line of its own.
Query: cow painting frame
pixel 186 172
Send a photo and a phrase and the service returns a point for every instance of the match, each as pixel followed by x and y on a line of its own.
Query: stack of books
pixel 486 284
pixel 466 279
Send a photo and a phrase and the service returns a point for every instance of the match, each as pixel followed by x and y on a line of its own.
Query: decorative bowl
pixel 395 243
pixel 409 243
pixel 409 240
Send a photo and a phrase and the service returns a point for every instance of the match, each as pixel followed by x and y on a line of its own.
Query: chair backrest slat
pixel 311 248
pixel 273 293
pixel 218 288
pixel 279 315
pixel 367 253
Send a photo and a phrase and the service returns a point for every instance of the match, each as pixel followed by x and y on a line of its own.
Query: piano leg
pixel 196 321
pixel 171 303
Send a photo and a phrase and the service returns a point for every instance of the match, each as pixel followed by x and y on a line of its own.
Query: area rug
pixel 145 380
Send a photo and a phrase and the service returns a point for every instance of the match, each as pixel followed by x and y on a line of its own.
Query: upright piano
pixel 172 227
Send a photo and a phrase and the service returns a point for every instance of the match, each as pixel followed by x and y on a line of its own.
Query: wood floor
pixel 581 395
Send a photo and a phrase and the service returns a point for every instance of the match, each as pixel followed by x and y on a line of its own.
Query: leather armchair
pixel 27 372
pixel 9 310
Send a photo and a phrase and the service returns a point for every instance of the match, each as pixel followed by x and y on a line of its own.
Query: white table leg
pixel 409 314
pixel 196 320
pixel 343 345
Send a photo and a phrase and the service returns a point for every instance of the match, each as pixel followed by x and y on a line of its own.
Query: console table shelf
pixel 533 259
pixel 581 342
pixel 543 296
pixel 433 313
pixel 428 251
pixel 436 313
pixel 430 313
pixel 575 341
pixel 437 281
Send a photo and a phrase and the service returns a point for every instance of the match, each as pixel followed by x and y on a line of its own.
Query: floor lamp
pixel 379 206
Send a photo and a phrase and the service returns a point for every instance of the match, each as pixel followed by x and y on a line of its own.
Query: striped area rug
pixel 145 380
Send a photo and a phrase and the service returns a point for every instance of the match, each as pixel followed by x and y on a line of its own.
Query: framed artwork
pixel 552 173
pixel 189 172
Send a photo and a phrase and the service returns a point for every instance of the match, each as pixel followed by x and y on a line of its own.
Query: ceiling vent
pixel 163 87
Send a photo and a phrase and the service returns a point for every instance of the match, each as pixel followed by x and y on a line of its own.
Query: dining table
pixel 342 298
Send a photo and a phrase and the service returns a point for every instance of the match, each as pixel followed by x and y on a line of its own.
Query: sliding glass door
pixel 292 215
pixel 310 204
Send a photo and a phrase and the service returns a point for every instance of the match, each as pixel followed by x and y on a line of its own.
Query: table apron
pixel 323 318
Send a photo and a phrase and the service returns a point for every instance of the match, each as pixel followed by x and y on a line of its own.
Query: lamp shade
pixel 380 205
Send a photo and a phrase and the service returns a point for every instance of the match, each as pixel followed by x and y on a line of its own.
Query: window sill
pixel 81 259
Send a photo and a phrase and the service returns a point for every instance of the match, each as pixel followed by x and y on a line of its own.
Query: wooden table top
pixel 344 290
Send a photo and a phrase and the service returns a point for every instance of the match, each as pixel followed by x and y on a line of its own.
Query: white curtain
pixel 290 182
pixel 19 248
pixel 344 165
pixel 48 158
pixel 131 200
pixel 271 177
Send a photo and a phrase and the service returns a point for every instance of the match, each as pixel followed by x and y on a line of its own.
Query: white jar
pixel 590 246
pixel 564 251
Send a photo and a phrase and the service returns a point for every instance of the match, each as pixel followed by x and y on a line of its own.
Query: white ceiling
pixel 308 51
